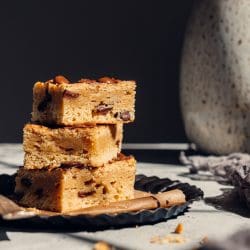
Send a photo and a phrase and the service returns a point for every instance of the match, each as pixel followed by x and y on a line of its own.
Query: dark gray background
pixel 138 40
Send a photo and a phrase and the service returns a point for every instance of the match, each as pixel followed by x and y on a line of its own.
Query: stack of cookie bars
pixel 72 147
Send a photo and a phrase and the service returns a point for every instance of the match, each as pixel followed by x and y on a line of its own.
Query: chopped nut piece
pixel 102 245
pixel 171 238
pixel 106 79
pixel 179 229
pixel 85 80
pixel 61 80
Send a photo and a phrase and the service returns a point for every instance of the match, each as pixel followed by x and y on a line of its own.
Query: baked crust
pixel 103 101
pixel 52 147
pixel 71 188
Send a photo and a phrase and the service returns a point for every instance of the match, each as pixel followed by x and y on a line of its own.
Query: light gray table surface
pixel 201 220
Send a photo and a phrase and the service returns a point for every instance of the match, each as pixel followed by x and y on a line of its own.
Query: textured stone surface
pixel 215 76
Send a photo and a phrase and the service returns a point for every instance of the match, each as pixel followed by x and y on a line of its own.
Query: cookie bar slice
pixel 103 101
pixel 72 187
pixel 53 147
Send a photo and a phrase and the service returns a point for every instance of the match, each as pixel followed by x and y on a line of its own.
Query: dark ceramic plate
pixel 151 184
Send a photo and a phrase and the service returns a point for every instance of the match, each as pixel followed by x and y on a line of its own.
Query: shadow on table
pixel 161 156
pixel 8 165
pixel 24 226
pixel 3 235
pixel 93 241
pixel 84 239
pixel 155 156
pixel 229 201
pixel 205 177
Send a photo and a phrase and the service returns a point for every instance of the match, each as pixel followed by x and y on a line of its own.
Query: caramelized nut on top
pixel 122 157
pixel 85 80
pixel 107 79
pixel 49 81
pixel 61 80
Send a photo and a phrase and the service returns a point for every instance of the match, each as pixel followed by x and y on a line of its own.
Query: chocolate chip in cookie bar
pixel 47 147
pixel 74 187
pixel 103 101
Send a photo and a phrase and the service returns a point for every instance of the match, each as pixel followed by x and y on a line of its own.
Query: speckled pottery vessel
pixel 215 76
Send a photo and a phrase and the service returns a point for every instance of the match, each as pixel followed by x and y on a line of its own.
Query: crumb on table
pixel 102 245
pixel 204 240
pixel 171 238
pixel 179 229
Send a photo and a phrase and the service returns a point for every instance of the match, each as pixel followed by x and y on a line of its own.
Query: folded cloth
pixel 234 168
pixel 239 241
pixel 223 166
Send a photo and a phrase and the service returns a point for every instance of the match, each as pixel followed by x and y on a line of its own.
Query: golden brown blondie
pixel 51 147
pixel 103 101
pixel 72 187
